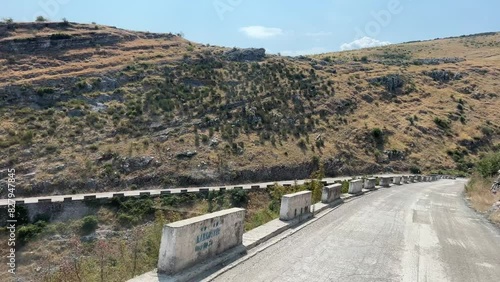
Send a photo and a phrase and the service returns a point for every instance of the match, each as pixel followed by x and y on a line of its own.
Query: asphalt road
pixel 415 232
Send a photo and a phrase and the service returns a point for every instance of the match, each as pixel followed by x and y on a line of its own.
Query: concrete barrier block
pixel 331 193
pixel 405 179
pixel 204 190
pixel 370 183
pixel 396 180
pixel 355 186
pixel 120 195
pixel 255 187
pixel 222 189
pixel 385 181
pixel 188 242
pixel 184 191
pixel 165 192
pixel 19 202
pixel 90 197
pixel 294 205
pixel 144 194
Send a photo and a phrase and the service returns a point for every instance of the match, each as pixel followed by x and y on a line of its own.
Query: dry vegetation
pixel 478 189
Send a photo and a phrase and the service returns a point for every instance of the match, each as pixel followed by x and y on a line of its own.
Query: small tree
pixel 8 20
pixel 41 19
pixel 90 223
pixel 65 22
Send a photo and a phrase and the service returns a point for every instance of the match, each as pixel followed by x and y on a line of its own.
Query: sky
pixel 289 27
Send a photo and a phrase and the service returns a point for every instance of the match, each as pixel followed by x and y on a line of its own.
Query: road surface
pixel 415 232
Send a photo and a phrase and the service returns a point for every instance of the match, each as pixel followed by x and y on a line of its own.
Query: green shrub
pixel 345 186
pixel 45 90
pixel 65 22
pixel 442 123
pixel 41 19
pixel 30 231
pixel 127 219
pixel 89 224
pixel 489 164
pixel 415 170
pixel 261 217
pixel 487 131
pixel 239 197
pixel 302 144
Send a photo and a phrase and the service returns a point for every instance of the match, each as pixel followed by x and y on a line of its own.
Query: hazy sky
pixel 286 26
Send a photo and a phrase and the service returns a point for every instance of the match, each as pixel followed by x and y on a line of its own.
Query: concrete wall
pixel 331 193
pixel 370 183
pixel 187 242
pixel 385 181
pixel 294 205
pixel 405 179
pixel 411 179
pixel 355 186
pixel 51 211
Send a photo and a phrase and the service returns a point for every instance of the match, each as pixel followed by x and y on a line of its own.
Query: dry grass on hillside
pixel 481 198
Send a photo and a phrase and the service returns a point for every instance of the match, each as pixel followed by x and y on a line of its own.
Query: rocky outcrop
pixel 92 36
pixel 61 90
pixel 242 55
pixel 129 165
pixel 443 75
pixel 476 144
pixel 393 83
pixel 186 155
pixel 43 44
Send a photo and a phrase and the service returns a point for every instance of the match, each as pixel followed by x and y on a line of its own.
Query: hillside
pixel 93 108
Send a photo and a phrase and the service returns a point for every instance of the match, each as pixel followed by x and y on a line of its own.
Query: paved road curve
pixel 416 232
